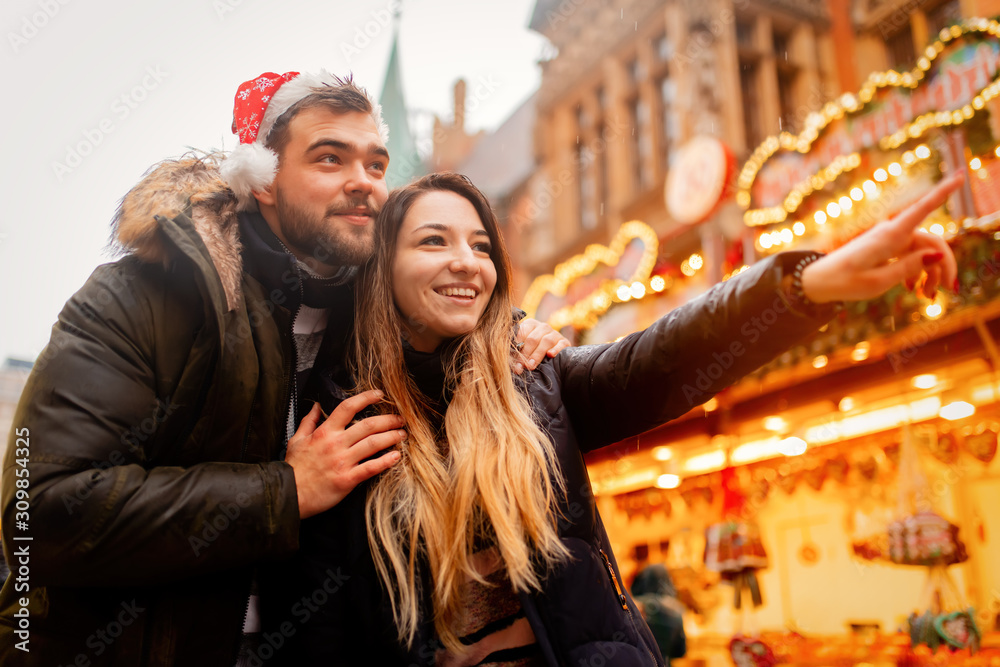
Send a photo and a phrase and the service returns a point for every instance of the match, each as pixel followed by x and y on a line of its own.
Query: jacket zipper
pixel 614 580
pixel 290 380
pixel 290 372
pixel 623 601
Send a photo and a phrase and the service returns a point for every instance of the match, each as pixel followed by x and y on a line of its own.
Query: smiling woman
pixel 443 275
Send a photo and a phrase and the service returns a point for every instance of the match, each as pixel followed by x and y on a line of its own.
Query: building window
pixel 745 34
pixel 786 98
pixel 639 144
pixel 944 15
pixel 781 41
pixel 663 48
pixel 587 189
pixel 636 72
pixel 668 118
pixel 753 124
pixel 602 174
pixel 902 52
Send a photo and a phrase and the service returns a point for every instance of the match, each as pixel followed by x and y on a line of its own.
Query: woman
pixel 483 544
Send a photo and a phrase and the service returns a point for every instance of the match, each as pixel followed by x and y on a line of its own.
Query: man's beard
pixel 324 239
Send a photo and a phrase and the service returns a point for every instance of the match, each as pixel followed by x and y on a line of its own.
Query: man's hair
pixel 344 98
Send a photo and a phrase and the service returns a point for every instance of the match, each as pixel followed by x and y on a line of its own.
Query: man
pixel 151 429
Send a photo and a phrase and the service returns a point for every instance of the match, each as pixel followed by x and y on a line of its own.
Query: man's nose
pixel 359 181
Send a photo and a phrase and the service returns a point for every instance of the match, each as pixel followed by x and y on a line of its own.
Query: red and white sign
pixel 698 180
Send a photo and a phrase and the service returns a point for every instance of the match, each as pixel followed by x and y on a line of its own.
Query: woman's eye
pixel 432 240
pixel 483 247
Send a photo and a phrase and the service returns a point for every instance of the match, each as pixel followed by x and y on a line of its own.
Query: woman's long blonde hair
pixel 494 478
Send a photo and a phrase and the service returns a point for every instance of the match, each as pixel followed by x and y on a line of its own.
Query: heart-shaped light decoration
pixel 583 309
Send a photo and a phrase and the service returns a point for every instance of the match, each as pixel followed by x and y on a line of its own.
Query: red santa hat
pixel 258 105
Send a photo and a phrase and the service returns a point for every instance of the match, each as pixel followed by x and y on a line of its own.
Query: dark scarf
pixel 267 259
pixel 428 372
pixel 289 286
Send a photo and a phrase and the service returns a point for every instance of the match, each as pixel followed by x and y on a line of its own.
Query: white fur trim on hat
pixel 249 167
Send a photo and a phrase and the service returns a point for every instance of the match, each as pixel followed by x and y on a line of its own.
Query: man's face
pixel 329 187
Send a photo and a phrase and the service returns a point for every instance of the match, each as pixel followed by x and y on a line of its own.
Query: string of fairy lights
pixel 780 226
pixel 834 208
pixel 817 121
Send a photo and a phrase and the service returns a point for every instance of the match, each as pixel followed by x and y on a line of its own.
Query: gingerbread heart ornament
pixel 945 447
pixel 749 652
pixel 959 630
pixel 922 631
pixel 816 476
pixel 788 482
pixel 983 444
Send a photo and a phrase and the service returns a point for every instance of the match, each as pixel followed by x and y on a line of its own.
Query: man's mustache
pixel 352 205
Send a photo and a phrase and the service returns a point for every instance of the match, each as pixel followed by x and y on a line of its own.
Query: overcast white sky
pixel 130 83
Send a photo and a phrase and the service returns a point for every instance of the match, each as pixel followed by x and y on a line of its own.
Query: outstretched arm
pixel 615 391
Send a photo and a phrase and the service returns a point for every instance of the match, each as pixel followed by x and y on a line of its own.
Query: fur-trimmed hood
pixel 192 185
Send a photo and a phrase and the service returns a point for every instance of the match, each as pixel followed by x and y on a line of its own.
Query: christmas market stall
pixel 842 504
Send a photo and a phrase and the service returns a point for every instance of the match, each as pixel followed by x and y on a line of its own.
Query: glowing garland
pixel 584 313
pixel 834 208
pixel 816 122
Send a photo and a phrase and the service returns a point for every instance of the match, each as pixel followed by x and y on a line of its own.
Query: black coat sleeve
pixel 618 390
pixel 100 511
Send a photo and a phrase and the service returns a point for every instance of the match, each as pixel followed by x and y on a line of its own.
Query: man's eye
pixel 378 166
pixel 332 159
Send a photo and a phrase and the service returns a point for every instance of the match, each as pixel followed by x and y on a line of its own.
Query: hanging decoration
pixel 982 443
pixel 733 547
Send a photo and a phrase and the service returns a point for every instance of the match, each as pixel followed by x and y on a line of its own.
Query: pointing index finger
pixel 915 213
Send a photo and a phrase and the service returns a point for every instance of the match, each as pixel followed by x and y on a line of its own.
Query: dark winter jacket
pixel 334 611
pixel 152 422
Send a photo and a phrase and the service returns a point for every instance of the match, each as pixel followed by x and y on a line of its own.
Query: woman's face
pixel 442 275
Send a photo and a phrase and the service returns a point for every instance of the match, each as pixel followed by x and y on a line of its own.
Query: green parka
pixel 149 427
